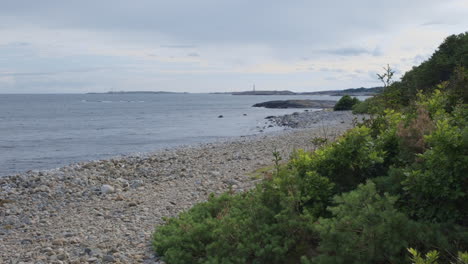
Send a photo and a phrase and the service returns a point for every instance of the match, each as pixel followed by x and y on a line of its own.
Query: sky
pixel 68 46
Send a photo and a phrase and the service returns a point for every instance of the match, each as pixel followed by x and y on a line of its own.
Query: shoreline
pixel 106 210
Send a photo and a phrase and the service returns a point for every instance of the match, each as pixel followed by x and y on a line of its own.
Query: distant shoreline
pixel 140 92
pixel 352 91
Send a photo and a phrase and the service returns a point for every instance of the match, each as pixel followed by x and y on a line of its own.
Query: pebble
pixel 105 189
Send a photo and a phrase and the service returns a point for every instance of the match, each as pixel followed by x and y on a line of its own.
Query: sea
pixel 46 131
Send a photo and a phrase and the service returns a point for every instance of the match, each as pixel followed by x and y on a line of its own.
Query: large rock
pixel 297 104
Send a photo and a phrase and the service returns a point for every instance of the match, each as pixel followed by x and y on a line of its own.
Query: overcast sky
pixel 68 46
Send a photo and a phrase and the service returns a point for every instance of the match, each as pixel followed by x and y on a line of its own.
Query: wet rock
pixel 108 259
pixel 297 104
pixel 136 183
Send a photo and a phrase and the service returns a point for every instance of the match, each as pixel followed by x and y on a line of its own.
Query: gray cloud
pixel 179 46
pixel 351 51
pixel 274 22
pixel 240 40
pixel 19 74
pixel 331 70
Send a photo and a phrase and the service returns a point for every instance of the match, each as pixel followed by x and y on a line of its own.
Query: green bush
pixel 437 183
pixel 350 160
pixel 362 107
pixel 270 224
pixel 345 103
pixel 430 258
pixel 365 228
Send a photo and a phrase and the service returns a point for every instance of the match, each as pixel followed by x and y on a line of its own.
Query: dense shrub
pixel 345 103
pixel 412 135
pixel 233 229
pixel 350 160
pixel 270 224
pixel 362 107
pixel 365 228
pixel 437 184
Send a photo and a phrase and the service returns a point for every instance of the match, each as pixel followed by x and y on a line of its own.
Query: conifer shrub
pixel 437 184
pixel 270 224
pixel 366 227
pixel 349 161
pixel 432 257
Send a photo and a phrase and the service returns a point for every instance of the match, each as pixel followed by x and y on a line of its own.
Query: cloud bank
pixel 204 46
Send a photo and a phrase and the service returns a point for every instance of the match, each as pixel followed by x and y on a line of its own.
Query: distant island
pixel 297 104
pixel 264 93
pixel 352 91
pixel 139 92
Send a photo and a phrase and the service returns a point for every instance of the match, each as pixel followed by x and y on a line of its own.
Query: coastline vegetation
pixel 346 103
pixel 391 190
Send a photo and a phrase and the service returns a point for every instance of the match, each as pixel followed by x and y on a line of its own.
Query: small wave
pixel 107 101
pixel 6 147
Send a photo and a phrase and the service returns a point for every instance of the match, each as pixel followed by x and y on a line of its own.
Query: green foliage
pixel 363 107
pixel 430 258
pixel 386 77
pixel 462 258
pixel 277 159
pixel 457 86
pixel 270 224
pixel 436 185
pixel 366 227
pixel 233 229
pixel 349 161
pixel 346 103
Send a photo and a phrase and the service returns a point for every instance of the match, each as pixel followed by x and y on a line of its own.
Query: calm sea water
pixel 49 131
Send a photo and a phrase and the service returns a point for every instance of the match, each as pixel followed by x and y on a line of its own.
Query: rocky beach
pixel 105 211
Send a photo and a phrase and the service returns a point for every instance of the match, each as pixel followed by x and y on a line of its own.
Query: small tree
pixel 386 77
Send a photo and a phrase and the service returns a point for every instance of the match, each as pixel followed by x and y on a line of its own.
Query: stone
pixel 108 259
pixel 42 188
pixel 136 183
pixel 26 242
pixel 58 242
pixel 215 173
pixel 106 189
